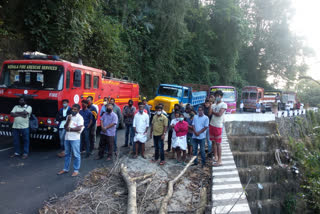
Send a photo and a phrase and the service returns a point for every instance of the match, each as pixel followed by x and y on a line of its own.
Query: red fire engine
pixel 46 80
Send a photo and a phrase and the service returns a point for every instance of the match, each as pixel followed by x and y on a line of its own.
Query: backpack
pixel 33 123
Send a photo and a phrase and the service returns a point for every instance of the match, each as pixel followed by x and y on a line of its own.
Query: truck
pixel 170 94
pixel 289 98
pixel 229 97
pixel 45 80
pixel 250 96
pixel 269 98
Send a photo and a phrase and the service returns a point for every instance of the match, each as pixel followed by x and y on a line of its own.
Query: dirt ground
pixel 104 190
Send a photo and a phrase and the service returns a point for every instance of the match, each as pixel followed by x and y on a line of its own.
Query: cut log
pixel 132 191
pixel 203 201
pixel 166 199
pixel 132 188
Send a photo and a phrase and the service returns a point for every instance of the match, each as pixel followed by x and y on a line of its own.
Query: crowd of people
pixel 188 130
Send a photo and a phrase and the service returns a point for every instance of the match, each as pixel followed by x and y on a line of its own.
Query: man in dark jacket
pixel 61 118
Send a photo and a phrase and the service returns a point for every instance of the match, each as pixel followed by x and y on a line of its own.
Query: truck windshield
pixel 30 76
pixel 229 94
pixel 170 91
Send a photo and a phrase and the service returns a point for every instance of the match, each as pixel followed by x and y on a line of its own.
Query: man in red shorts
pixel 217 111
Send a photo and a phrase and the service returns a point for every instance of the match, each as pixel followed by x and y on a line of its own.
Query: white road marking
pixel 2 150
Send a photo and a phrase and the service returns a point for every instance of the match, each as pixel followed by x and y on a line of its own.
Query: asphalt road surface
pixel 26 184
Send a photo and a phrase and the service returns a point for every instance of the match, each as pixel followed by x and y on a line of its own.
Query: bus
pixel 229 96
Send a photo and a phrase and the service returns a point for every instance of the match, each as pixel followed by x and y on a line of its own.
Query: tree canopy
pixel 224 42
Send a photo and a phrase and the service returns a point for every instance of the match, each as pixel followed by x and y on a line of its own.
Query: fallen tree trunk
pixel 203 201
pixel 132 191
pixel 132 188
pixel 166 199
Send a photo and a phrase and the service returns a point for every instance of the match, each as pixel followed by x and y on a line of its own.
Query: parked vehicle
pixel 46 80
pixel 269 98
pixel 229 96
pixel 289 98
pixel 250 96
pixel 169 95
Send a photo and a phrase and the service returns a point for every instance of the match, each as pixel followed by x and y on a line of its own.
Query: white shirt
pixel 21 122
pixel 64 114
pixel 241 105
pixel 174 122
pixel 141 122
pixel 76 120
pixel 218 121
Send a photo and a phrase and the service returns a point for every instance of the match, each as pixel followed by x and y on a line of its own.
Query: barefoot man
pixel 216 124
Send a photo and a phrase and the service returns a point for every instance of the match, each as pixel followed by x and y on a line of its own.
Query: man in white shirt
pixel 140 125
pixel 74 126
pixel 21 114
pixel 216 124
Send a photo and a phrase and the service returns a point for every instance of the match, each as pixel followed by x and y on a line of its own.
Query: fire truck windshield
pixel 30 76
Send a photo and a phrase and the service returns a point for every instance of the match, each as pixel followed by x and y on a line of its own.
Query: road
pixel 26 184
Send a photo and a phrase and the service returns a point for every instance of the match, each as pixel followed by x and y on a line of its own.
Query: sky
pixel 306 23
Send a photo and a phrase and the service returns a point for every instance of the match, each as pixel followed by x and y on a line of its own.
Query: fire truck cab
pixel 46 80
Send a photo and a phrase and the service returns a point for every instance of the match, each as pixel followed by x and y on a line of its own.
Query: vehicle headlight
pixel 6 118
pixel 49 121
pixel 1 117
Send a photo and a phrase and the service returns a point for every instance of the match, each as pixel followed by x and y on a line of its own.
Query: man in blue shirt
pixel 87 118
pixel 200 124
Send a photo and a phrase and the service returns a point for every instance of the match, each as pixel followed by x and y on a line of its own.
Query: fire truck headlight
pixel 56 122
pixel 1 117
pixel 6 118
pixel 41 122
pixel 49 121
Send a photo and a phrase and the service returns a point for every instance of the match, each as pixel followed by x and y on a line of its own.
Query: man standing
pixel 241 106
pixel 206 110
pixel 200 124
pixel 216 124
pixel 159 129
pixel 87 118
pixel 74 127
pixel 146 106
pixel 128 114
pixel 104 106
pixel 21 114
pixel 61 118
pixel 117 110
pixel 109 122
pixel 93 128
pixel 140 125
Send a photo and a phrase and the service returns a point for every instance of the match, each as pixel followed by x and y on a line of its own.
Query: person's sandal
pixel 62 172
pixel 15 155
pixel 162 163
pixel 74 174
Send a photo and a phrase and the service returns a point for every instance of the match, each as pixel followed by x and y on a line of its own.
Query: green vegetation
pixel 225 42
pixel 306 153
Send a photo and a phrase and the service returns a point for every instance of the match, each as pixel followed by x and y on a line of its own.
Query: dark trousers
pixel 85 142
pixel 106 141
pixel 93 136
pixel 129 131
pixel 16 140
pixel 158 147
pixel 169 139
